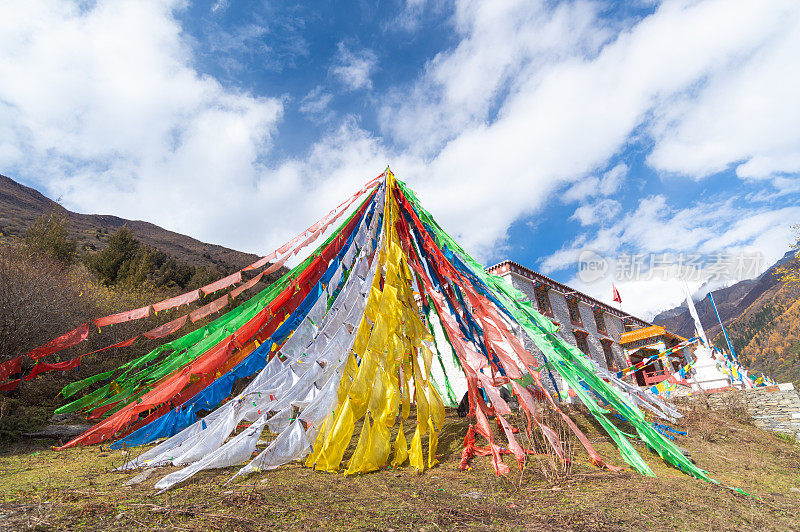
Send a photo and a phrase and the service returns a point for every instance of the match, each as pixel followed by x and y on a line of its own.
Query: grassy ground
pixel 77 489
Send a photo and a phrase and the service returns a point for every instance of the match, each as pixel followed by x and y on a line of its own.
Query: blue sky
pixel 291 50
pixel 534 131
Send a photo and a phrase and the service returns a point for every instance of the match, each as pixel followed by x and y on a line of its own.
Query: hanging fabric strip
pixel 72 388
pixel 82 332
pixel 571 365
pixel 122 317
pixel 43 367
pixel 207 363
pixel 244 370
pixel 176 324
pixel 266 393
pixel 237 334
pixel 123 343
pixel 276 265
pixel 166 329
pixel 206 310
pixel 628 452
pixel 260 263
pixel 373 391
pixel 316 385
pixel 506 363
pixel 177 301
pixel 246 286
pixel 225 282
pixel 10 367
pixel 74 337
pixel 10 385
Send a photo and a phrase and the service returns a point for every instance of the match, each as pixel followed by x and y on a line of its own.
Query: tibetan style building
pixel 611 337
pixel 640 344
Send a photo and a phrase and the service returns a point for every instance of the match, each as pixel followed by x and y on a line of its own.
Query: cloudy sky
pixel 532 130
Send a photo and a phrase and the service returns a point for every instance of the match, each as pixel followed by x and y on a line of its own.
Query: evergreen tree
pixel 117 262
pixel 49 234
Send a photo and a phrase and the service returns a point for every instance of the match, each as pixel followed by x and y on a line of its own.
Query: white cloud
pixel 410 15
pixel 745 116
pixel 220 6
pixel 583 189
pixel 567 98
pixel 316 104
pixel 705 229
pixel 354 68
pixel 588 187
pixel 597 211
pixel 782 186
pixel 239 39
pixel 499 40
pixel 612 180
pixel 106 110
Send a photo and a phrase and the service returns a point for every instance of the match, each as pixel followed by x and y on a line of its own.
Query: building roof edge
pixel 561 287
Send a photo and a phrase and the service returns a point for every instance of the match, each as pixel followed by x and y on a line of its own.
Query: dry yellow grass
pixel 77 489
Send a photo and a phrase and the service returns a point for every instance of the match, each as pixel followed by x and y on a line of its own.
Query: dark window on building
pixel 574 313
pixel 580 339
pixel 600 320
pixel 608 354
pixel 543 302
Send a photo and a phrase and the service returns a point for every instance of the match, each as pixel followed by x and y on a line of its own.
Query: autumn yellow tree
pixel 790 272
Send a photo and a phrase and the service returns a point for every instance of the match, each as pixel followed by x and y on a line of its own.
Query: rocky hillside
pixel 762 316
pixel 20 206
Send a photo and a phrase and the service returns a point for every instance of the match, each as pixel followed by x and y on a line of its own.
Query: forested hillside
pixel 762 316
pixel 21 206
pixel 767 335
pixel 59 270
pixel 732 301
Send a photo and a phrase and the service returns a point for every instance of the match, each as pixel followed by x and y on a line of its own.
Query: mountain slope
pixel 731 301
pixel 20 206
pixel 762 316
pixel 766 336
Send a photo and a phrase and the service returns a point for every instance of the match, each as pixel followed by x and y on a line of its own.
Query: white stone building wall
pixel 558 304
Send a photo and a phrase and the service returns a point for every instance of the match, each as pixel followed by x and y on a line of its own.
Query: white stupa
pixel 707 375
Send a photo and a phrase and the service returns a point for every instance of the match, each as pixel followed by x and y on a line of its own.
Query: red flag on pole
pixel 617 297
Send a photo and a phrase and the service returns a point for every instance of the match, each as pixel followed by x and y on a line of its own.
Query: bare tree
pixel 38 300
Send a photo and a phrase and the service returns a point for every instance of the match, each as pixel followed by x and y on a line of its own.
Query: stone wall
pixel 774 408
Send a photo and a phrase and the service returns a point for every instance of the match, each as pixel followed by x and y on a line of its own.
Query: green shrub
pixel 50 235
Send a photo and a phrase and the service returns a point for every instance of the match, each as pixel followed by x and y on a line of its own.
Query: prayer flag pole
pixel 714 306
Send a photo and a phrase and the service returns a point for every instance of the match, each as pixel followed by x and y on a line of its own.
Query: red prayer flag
pixel 284 248
pixel 225 282
pixel 124 343
pixel 64 341
pixel 122 317
pixel 177 301
pixel 168 328
pixel 275 266
pixel 617 297
pixel 43 367
pixel 260 262
pixel 10 367
pixel 312 237
pixel 246 286
pixel 209 309
pixel 10 385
